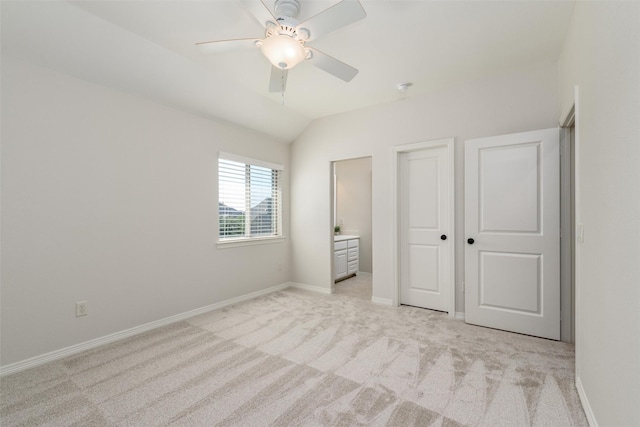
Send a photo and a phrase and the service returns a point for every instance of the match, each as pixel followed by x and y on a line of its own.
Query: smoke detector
pixel 402 87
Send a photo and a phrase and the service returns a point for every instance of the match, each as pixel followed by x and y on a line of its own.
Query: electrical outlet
pixel 82 308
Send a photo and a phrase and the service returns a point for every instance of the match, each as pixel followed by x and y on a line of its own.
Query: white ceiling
pixel 147 48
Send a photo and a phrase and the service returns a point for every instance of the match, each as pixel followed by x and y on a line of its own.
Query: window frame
pixel 247 239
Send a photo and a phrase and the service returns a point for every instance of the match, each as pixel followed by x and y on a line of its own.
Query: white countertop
pixel 342 237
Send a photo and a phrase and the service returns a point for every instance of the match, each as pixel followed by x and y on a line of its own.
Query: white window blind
pixel 249 201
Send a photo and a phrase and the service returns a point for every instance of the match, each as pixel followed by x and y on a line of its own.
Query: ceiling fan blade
pixel 331 65
pixel 278 80
pixel 337 16
pixel 259 10
pixel 223 46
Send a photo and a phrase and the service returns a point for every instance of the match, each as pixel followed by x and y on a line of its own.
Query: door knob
pixel 470 241
pixel 443 237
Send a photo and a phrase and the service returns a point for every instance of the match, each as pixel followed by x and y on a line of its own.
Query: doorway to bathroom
pixel 352 246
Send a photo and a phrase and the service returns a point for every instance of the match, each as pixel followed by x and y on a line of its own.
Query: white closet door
pixel 512 228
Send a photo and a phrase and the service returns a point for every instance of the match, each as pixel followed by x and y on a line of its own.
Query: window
pixel 249 200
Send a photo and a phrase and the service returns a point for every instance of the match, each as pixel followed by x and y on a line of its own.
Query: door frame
pixel 334 214
pixel 567 227
pixel 448 143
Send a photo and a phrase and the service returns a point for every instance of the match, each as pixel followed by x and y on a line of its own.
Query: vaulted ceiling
pixel 147 48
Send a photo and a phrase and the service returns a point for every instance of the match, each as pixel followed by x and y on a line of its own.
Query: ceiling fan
pixel 285 38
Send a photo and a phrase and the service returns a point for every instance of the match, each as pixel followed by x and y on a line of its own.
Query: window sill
pixel 234 243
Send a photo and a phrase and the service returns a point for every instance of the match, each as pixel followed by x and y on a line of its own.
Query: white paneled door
pixel 424 190
pixel 512 233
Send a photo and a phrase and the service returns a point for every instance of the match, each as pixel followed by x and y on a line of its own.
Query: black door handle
pixel 470 241
pixel 443 237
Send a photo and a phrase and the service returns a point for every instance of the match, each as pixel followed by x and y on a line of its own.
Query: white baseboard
pixel 459 315
pixel 381 301
pixel 312 288
pixel 585 403
pixel 364 273
pixel 107 339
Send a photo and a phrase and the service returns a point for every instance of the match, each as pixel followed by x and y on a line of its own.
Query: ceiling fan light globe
pixel 283 51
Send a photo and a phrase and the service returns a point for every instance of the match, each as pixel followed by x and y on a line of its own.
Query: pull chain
pixel 282 84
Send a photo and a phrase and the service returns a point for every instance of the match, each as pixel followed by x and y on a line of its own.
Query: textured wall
pixel 112 199
pixel 516 101
pixel 601 57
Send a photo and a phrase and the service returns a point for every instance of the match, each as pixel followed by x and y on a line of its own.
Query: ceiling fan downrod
pixel 287 8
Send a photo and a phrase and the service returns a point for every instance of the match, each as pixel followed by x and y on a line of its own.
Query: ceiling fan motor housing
pixel 287 12
pixel 285 26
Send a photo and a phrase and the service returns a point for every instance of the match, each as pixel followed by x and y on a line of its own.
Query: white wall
pixel 511 102
pixel 353 200
pixel 112 199
pixel 601 56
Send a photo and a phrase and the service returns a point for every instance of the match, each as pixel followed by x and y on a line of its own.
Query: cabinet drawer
pixel 353 243
pixel 353 267
pixel 340 245
pixel 353 254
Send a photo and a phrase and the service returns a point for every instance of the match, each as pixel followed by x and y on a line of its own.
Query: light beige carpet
pixel 293 358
